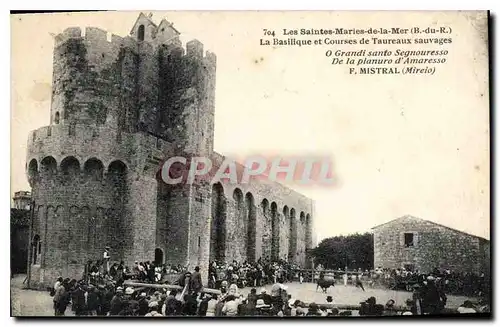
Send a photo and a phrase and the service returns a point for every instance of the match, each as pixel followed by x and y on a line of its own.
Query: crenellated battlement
pixel 95 35
pixel 99 39
pixel 148 81
pixel 194 48
pixel 69 33
pixel 211 58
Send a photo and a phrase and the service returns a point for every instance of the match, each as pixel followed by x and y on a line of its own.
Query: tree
pixel 354 251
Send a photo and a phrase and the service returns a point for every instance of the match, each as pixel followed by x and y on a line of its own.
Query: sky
pixel 401 144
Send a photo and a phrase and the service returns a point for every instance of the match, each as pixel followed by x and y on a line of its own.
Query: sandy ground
pixel 28 302
pixel 351 295
pixel 37 303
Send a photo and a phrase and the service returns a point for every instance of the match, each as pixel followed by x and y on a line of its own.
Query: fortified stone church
pixel 120 107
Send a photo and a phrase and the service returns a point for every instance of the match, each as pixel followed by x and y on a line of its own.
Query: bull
pixel 325 283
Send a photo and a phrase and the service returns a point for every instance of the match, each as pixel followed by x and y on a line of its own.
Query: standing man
pixel 61 298
pixel 196 283
pixel 106 256
pixel 278 294
pixel 433 298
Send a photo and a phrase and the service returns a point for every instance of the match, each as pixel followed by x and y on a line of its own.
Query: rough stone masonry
pixel 120 107
pixel 414 243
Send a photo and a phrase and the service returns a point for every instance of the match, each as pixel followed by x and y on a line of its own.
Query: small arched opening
pixel 158 256
pixel 265 207
pixel 140 33
pixel 302 234
pixel 275 232
pixel 117 167
pixel 292 250
pixel 240 223
pixel 117 172
pixel 286 214
pixel 238 198
pixel 36 249
pixel 302 218
pixel 32 168
pixel 285 230
pixel 266 229
pixel 48 165
pixel 56 118
pixel 218 224
pixel 251 232
pixel 70 167
pixel 308 235
pixel 93 169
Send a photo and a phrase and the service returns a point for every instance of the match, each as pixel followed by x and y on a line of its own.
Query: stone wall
pixel 19 239
pixel 186 99
pixel 177 237
pixel 100 78
pixel 78 211
pixel 91 78
pixel 199 226
pixel 435 246
pixel 91 191
pixel 271 200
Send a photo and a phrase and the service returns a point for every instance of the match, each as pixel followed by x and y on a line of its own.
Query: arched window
pixel 56 118
pixel 140 33
pixel 93 169
pixel 158 256
pixel 251 220
pixel 218 230
pixel 70 166
pixel 37 248
pixel 33 168
pixel 48 165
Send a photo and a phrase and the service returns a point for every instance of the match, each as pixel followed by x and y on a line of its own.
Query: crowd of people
pixel 256 274
pixel 260 273
pixel 103 292
pixel 466 284
pixel 265 271
pixel 105 300
pixel 96 272
pixel 451 282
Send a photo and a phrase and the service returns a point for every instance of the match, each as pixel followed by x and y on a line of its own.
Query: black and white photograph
pixel 229 164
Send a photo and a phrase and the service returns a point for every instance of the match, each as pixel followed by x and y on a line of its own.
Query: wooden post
pixel 30 242
pixel 183 292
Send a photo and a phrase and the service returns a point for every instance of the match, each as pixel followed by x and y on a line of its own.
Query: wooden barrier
pixel 350 306
pixel 354 307
pixel 357 307
pixel 312 275
pixel 168 287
